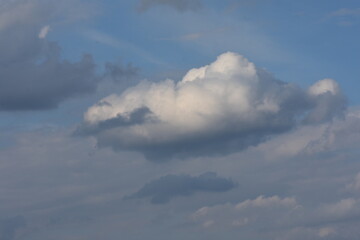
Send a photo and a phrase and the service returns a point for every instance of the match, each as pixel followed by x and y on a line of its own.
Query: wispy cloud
pixel 344 16
pixel 121 44
pixel 345 12
pixel 194 36
pixel 44 31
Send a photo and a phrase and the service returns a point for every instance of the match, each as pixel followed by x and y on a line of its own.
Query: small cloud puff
pixel 44 31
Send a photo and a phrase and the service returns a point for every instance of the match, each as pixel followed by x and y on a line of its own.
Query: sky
pixel 179 119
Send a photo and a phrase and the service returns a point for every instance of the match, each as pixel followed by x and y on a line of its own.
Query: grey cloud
pixel 165 188
pixel 326 107
pixel 33 75
pixel 180 5
pixel 138 116
pixel 9 226
pixel 218 144
pixel 67 185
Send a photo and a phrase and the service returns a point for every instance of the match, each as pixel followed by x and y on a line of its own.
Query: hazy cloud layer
pixel 279 218
pixel 302 187
pixel 9 226
pixel 216 109
pixel 180 5
pixel 265 211
pixel 346 12
pixel 162 190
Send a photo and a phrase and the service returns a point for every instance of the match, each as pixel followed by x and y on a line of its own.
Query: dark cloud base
pixel 217 144
pixel 165 188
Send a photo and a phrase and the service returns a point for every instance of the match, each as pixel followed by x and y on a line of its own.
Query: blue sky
pixel 291 39
pixel 179 119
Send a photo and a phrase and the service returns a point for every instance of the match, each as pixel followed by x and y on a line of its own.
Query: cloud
pixel 220 108
pixel 9 226
pixel 165 188
pixel 180 5
pixel 355 185
pixel 326 231
pixel 138 116
pixel 328 100
pixel 345 12
pixel 33 75
pixel 44 31
pixel 261 201
pixel 278 218
pixel 335 137
pixel 259 213
pixel 343 208
pixel 344 16
pixel 67 184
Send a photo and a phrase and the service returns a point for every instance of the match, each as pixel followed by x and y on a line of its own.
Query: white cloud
pixel 229 100
pixel 44 31
pixel 262 201
pixel 324 86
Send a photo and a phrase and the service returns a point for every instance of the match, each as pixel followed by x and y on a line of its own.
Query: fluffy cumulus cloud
pixel 180 5
pixel 162 190
pixel 222 107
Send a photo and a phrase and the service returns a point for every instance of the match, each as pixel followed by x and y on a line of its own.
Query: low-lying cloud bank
pixel 220 108
pixel 162 190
